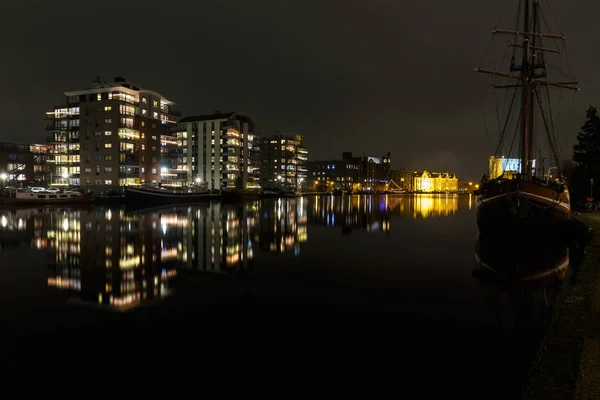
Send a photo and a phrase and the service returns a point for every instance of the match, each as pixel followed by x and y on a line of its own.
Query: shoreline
pixel 568 363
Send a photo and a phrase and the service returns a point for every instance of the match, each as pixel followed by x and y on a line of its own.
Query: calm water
pixel 374 293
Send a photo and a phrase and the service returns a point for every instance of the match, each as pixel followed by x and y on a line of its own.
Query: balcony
pixel 130 159
pixel 52 127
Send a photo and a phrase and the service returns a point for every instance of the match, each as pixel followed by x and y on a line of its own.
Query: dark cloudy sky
pixel 361 76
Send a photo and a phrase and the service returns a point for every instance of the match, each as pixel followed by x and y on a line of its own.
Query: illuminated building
pixel 109 135
pixel 430 182
pixel 282 161
pixel 216 149
pixel 500 165
pixel 361 173
pixel 22 162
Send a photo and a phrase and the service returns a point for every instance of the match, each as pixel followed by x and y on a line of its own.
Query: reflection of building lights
pixel 65 224
pixel 4 221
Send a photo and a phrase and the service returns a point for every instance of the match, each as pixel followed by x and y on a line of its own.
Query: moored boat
pixel 237 195
pixel 147 197
pixel 523 197
pixel 25 197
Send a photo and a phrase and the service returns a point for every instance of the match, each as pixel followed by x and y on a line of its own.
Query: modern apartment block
pixel 23 163
pixel 283 161
pixel 110 135
pixel 216 150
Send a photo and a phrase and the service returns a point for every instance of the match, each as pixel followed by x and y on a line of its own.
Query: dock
pixel 568 364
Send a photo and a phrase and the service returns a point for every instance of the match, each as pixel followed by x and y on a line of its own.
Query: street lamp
pixel 3 177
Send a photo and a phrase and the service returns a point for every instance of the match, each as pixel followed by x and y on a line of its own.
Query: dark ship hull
pixel 522 206
pixel 141 198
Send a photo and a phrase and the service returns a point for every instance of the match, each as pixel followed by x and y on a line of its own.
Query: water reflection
pixel 524 280
pixel 374 213
pixel 109 257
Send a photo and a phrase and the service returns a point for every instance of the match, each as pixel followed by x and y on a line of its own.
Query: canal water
pixel 392 292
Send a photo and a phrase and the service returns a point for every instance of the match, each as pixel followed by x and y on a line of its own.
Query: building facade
pixel 430 182
pixel 23 164
pixel 216 150
pixel 283 162
pixel 351 173
pixel 110 135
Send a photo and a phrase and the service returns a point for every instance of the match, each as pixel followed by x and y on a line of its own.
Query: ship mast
pixel 531 77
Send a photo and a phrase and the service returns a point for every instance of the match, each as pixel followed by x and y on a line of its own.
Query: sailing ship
pixel 525 198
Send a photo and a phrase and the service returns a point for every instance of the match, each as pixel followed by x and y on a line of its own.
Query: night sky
pixel 366 77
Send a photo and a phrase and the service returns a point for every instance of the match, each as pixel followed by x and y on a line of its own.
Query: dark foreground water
pixel 346 293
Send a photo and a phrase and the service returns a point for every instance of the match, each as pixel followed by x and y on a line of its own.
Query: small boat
pixel 146 197
pixel 270 194
pixel 25 197
pixel 238 195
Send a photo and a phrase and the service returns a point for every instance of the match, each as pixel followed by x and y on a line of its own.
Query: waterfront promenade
pixel 568 365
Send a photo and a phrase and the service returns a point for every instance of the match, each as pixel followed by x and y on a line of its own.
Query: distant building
pixel 360 173
pixel 428 182
pixel 500 165
pixel 283 161
pixel 216 149
pixel 109 135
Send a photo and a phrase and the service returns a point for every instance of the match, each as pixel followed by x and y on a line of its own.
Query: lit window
pixel 153 148
pixel 143 135
pixel 107 169
pixel 154 171
pixel 97 133
pixel 143 170
pixel 143 147
pixel 155 115
pixel 98 97
pixel 107 133
pixel 107 108
pixel 107 145
pixel 144 100
pixel 143 124
pixel 144 112
pixel 108 182
pixel 110 95
pixel 107 158
pixel 155 104
pixel 153 137
pixel 89 170
pixel 108 121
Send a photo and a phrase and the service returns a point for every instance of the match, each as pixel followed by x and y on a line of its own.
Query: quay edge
pixel 568 363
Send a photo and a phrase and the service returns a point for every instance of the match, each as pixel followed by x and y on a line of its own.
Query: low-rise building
pixel 349 172
pixel 429 182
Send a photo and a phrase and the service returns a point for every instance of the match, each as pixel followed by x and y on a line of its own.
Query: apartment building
pixel 216 150
pixel 283 161
pixel 23 163
pixel 110 135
